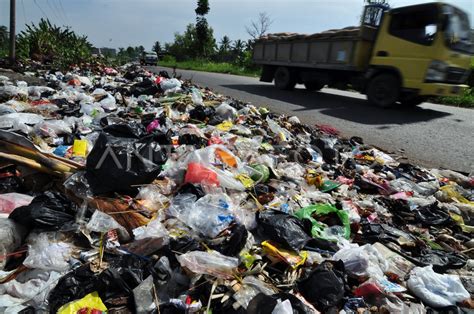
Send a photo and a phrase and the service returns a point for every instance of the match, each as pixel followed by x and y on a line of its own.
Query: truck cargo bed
pixel 344 49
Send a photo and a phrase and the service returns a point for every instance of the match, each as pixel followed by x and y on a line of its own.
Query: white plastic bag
pixel 435 289
pixel 251 286
pixel 283 307
pixel 154 229
pixel 362 261
pixel 44 253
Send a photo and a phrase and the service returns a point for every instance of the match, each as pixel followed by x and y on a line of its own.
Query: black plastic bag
pixel 265 304
pixel 73 286
pixel 49 211
pixel 432 215
pixel 10 180
pixel 116 164
pixel 232 244
pixel 325 286
pixel 441 260
pixel 129 130
pixel 283 228
pixel 201 113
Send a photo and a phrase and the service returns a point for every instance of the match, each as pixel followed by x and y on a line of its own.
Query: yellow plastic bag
pixel 226 157
pixel 225 126
pixel 292 258
pixel 87 304
pixel 79 148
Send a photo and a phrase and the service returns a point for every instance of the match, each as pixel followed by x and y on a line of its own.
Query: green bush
pixel 49 43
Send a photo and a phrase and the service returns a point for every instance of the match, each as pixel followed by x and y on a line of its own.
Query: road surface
pixel 430 134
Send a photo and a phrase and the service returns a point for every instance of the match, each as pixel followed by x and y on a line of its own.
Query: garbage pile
pixel 126 191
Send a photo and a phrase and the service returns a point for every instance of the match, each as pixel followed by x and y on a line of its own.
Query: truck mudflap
pixel 268 73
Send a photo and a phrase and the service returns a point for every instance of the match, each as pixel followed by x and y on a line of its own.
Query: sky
pixel 122 23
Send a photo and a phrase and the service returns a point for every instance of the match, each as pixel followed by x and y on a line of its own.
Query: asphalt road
pixel 429 134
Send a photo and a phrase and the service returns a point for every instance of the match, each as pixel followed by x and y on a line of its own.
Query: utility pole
pixel 12 31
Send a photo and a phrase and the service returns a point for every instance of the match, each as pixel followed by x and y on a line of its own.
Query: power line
pixel 51 8
pixel 23 9
pixel 44 13
pixel 64 12
pixel 59 12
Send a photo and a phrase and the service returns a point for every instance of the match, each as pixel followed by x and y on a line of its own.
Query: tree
pixel 225 44
pixel 157 47
pixel 258 28
pixel 238 47
pixel 3 40
pixel 203 32
pixel 249 45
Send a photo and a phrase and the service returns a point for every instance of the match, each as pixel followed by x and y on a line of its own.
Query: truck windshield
pixel 457 32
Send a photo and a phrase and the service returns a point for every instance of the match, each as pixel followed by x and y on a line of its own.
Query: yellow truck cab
pixel 399 55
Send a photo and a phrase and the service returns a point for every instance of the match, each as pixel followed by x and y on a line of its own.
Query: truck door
pixel 407 42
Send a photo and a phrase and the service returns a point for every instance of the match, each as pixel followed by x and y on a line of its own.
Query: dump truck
pixel 396 56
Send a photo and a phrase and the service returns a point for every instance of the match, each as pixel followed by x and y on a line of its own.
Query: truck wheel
pixel 284 79
pixel 383 90
pixel 314 85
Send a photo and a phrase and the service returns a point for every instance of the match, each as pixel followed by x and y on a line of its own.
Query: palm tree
pixel 225 44
pixel 249 45
pixel 157 47
pixel 238 46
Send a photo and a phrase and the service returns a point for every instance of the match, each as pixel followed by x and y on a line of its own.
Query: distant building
pixel 110 52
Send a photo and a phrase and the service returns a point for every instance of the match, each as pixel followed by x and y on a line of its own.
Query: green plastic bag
pixel 324 209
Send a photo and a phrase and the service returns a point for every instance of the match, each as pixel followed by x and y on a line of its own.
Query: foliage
pixel 50 43
pixel 209 66
pixel 4 35
pixel 465 100
pixel 203 31
pixel 157 47
pixel 186 46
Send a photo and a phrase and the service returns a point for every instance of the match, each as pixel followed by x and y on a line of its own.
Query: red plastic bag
pixel 197 173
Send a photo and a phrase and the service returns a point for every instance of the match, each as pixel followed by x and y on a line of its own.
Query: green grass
pixel 466 100
pixel 208 66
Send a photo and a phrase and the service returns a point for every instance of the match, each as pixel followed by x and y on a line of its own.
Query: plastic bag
pixel 225 111
pixel 20 121
pixel 283 307
pixel 251 286
pixel 117 164
pixel 47 211
pixel 325 286
pixel 154 229
pixel 169 84
pixel 283 228
pixel 91 303
pixel 435 289
pixel 29 287
pixel 10 201
pixel 198 173
pixel 143 296
pixel 46 254
pixel 209 215
pixel 11 237
pixel 364 261
pixel 322 210
pixel 212 263
pixel 101 222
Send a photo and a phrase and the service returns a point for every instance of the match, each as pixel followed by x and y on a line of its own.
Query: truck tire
pixel 383 90
pixel 284 79
pixel 314 85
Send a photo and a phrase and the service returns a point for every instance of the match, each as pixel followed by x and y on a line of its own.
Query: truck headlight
pixel 436 71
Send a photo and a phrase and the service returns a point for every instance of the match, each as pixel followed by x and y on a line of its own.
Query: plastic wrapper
pixel 211 263
pixel 154 229
pixel 101 222
pixel 251 287
pixel 435 289
pixel 47 254
pixel 10 201
pixel 318 229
